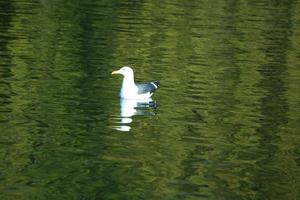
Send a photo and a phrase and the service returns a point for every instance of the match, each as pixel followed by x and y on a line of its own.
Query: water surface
pixel 225 123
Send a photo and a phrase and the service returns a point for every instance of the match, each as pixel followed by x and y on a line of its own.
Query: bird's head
pixel 125 71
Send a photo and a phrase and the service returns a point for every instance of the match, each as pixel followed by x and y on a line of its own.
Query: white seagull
pixel 130 90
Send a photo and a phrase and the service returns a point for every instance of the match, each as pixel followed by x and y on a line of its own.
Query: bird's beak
pixel 115 72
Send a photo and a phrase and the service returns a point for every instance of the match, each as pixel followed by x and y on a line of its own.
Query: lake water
pixel 224 123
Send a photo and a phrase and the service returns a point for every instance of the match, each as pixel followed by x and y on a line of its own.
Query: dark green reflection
pixel 228 106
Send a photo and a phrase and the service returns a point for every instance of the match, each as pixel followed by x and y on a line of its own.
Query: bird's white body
pixel 129 89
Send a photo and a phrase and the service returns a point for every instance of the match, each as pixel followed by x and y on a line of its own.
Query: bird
pixel 130 90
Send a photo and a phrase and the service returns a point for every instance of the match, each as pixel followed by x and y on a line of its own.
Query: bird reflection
pixel 132 107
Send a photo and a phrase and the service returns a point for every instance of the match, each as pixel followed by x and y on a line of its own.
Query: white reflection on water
pixel 132 107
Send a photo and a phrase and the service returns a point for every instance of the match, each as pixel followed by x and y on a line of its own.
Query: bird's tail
pixel 156 83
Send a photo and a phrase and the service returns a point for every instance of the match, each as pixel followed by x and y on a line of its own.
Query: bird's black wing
pixel 147 87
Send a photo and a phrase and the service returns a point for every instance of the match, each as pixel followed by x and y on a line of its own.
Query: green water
pixel 227 120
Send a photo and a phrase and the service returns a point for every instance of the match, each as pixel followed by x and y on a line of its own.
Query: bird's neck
pixel 128 81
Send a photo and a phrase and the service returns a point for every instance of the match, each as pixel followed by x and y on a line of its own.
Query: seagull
pixel 130 90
